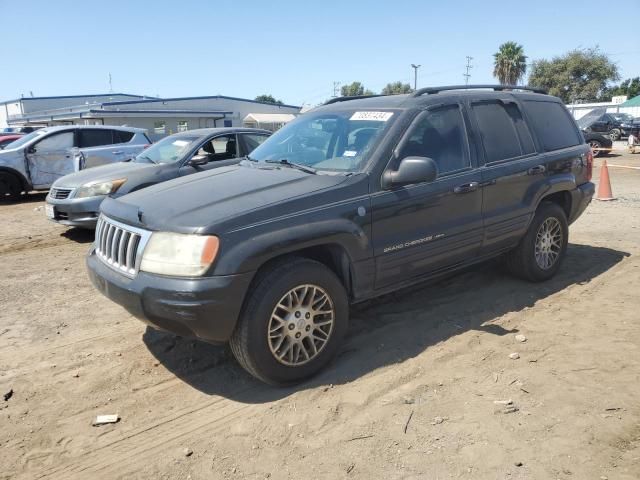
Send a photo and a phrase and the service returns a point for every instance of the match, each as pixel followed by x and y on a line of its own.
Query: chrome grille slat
pixel 120 246
pixel 60 193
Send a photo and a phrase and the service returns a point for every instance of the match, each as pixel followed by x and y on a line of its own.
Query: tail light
pixel 589 165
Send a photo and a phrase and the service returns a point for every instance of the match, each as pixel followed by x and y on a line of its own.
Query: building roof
pixel 632 102
pixel 78 96
pixel 269 117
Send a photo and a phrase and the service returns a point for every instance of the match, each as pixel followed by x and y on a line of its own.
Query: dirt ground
pixel 412 394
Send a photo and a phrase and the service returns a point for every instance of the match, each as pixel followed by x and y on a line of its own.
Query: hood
pixel 103 173
pixel 197 203
pixel 13 159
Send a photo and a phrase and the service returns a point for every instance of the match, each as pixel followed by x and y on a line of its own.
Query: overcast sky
pixel 293 50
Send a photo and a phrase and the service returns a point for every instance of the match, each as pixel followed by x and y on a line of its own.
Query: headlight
pixel 99 188
pixel 179 254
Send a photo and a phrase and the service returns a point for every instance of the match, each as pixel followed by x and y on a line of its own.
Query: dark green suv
pixel 351 200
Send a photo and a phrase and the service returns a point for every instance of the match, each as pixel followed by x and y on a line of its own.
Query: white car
pixel 38 159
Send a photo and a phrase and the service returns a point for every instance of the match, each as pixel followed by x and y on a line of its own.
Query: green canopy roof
pixel 632 102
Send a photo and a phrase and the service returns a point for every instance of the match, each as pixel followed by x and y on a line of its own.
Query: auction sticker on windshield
pixel 376 116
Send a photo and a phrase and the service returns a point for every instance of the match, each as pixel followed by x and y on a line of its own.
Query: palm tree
pixel 510 63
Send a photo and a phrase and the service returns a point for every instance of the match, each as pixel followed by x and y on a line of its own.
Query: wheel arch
pixel 26 186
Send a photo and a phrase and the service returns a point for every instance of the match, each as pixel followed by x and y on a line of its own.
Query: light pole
pixel 415 75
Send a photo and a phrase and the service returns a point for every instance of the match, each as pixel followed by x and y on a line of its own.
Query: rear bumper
pixel 580 198
pixel 206 308
pixel 76 212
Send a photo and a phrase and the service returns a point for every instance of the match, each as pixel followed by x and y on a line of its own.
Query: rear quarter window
pixel 120 136
pixel 95 138
pixel 503 131
pixel 552 124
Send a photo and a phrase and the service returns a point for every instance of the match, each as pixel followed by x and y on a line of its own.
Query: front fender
pixel 254 251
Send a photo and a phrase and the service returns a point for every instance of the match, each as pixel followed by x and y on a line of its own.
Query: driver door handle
pixel 466 187
pixel 536 170
pixel 117 152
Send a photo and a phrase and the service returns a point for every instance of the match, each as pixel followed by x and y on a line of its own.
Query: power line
pixel 467 75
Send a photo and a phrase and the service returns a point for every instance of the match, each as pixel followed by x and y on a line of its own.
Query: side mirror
pixel 31 149
pixel 198 160
pixel 411 170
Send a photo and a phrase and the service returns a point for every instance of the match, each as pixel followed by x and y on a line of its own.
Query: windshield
pixel 588 119
pixel 337 141
pixel 168 150
pixel 25 139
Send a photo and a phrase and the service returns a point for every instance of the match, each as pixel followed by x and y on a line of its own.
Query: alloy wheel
pixel 548 243
pixel 301 325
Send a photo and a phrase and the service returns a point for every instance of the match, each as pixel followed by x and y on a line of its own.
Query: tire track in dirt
pixel 124 455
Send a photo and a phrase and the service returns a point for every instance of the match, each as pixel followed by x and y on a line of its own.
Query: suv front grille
pixel 119 245
pixel 60 193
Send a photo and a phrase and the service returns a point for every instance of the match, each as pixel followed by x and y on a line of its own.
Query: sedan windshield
pixel 168 150
pixel 338 141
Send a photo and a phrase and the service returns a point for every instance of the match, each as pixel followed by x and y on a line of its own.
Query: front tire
pixel 538 256
pixel 615 134
pixel 292 323
pixel 10 187
pixel 596 148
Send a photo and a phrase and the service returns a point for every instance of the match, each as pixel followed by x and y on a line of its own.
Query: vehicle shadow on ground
pixel 389 329
pixel 79 235
pixel 33 197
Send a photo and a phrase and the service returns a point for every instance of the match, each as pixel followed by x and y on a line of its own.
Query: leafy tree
pixel 510 63
pixel 579 75
pixel 268 99
pixel 630 87
pixel 396 88
pixel 354 89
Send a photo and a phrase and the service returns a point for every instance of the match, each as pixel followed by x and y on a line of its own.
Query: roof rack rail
pixel 497 88
pixel 351 97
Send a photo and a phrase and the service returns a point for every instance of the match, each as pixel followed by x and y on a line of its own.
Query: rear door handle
pixel 466 188
pixel 117 152
pixel 537 170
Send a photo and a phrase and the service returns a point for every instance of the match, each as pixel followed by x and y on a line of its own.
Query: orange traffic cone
pixel 604 186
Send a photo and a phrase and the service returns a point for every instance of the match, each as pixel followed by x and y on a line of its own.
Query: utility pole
pixel 415 75
pixel 469 66
pixel 336 89
pixel 110 84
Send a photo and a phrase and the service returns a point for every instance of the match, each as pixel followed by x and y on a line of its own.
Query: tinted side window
pixel 553 125
pixel 122 137
pixel 504 133
pixel 95 138
pixel 440 135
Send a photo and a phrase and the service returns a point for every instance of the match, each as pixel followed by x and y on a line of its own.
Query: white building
pixel 616 105
pixel 159 116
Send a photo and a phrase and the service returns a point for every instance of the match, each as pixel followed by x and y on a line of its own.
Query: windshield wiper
pixel 303 168
pixel 247 157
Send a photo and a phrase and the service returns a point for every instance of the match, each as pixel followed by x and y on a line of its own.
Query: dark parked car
pixel 351 200
pixel 600 144
pixel 75 199
pixel 615 125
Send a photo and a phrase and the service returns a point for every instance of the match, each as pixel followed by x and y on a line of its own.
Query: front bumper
pixel 580 198
pixel 76 212
pixel 206 308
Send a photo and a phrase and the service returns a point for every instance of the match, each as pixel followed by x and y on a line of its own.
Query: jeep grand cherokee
pixel 354 199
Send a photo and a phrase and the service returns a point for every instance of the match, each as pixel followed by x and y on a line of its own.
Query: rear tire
pixel 292 323
pixel 10 187
pixel 538 256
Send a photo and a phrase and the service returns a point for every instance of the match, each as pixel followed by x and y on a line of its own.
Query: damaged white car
pixel 38 159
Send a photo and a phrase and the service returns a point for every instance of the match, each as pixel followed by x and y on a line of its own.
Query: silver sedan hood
pixel 103 173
